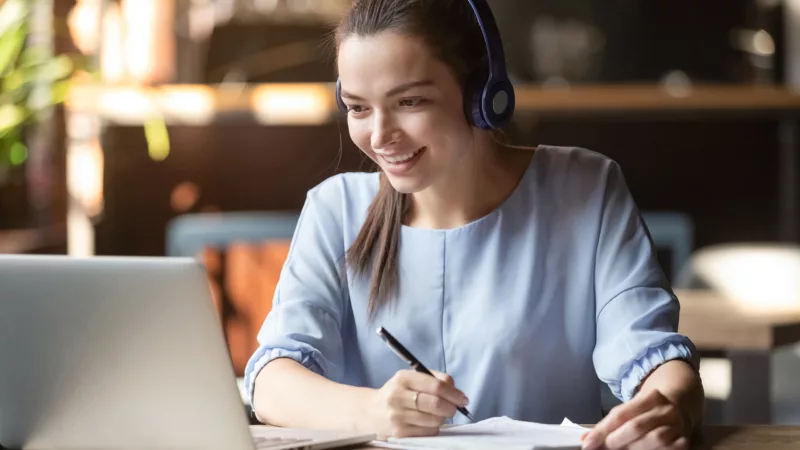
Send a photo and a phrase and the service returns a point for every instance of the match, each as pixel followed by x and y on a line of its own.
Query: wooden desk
pixel 753 437
pixel 747 338
pixel 718 324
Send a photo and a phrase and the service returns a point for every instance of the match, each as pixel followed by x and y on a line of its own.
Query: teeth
pixel 402 158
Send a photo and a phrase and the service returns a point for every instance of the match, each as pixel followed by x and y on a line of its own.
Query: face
pixel 405 108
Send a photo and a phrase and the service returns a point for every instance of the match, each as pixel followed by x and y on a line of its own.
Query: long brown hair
pixel 450 29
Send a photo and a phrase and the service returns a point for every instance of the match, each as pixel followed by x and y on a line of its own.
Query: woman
pixel 524 277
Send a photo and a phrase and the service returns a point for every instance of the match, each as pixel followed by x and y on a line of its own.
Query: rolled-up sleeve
pixel 306 315
pixel 637 312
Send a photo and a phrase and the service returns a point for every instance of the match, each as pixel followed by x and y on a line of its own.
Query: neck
pixel 481 182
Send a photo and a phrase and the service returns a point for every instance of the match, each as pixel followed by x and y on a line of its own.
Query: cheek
pixel 436 127
pixel 360 135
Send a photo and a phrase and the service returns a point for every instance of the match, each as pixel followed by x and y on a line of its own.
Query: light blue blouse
pixel 528 308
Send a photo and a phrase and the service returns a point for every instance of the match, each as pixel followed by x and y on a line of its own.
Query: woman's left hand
pixel 648 421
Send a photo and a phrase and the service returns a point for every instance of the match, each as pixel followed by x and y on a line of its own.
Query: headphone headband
pixel 491 37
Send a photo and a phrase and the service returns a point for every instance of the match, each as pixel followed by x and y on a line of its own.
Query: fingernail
pixel 591 442
pixel 464 401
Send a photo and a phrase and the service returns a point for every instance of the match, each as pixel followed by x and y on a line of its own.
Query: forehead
pixel 381 62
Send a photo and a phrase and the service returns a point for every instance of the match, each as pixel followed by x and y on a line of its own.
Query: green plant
pixel 32 81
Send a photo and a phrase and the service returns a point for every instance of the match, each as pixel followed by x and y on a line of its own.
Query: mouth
pixel 400 161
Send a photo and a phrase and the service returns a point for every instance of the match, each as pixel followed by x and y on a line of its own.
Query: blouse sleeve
pixel 306 315
pixel 637 312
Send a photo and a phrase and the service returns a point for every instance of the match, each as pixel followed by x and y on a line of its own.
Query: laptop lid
pixel 114 352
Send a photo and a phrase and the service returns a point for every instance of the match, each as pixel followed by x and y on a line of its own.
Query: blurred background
pixel 195 128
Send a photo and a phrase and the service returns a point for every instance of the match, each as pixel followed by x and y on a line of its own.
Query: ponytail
pixel 377 245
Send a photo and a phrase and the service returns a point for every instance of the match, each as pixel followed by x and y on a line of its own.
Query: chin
pixel 406 186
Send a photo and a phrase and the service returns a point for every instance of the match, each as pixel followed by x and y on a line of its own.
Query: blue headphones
pixel 489 100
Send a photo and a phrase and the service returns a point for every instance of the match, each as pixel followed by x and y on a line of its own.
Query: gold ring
pixel 416 397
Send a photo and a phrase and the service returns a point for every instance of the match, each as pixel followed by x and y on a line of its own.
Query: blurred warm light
pixel 759 278
pixel 135 38
pixel 716 376
pixel 131 105
pixel 149 40
pixel 184 197
pixel 755 42
pixel 126 105
pixel 80 234
pixel 82 21
pixel 193 104
pixel 763 44
pixel 85 176
pixel 112 57
pixel 300 104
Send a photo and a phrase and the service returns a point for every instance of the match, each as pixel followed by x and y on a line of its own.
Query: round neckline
pixel 523 181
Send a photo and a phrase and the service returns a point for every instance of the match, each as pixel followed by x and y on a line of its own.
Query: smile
pixel 399 159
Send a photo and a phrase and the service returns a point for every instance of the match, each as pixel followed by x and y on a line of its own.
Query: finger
pixel 432 404
pixel 427 384
pixel 444 377
pixel 640 426
pixel 681 444
pixel 660 438
pixel 420 419
pixel 623 413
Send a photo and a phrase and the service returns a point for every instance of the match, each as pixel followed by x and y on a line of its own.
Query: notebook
pixel 496 433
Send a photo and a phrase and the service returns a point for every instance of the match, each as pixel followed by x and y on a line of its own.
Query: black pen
pixel 406 356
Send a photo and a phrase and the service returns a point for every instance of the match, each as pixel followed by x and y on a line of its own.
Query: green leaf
pixel 18 153
pixel 56 68
pixel 15 79
pixel 11 43
pixel 11 116
pixel 155 131
pixel 33 56
pixel 59 91
pixel 13 13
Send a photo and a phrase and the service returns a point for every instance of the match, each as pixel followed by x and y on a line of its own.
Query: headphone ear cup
pixel 473 100
pixel 339 101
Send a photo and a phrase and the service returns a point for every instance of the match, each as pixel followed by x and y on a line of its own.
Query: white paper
pixel 497 433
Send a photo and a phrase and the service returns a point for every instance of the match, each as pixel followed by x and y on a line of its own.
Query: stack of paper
pixel 497 433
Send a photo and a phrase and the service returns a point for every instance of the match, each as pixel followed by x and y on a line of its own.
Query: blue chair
pixel 674 232
pixel 187 235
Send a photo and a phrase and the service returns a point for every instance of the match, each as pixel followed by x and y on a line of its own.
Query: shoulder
pixel 575 171
pixel 346 188
pixel 576 181
pixel 574 161
pixel 344 197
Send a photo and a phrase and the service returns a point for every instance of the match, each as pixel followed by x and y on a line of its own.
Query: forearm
pixel 677 381
pixel 289 395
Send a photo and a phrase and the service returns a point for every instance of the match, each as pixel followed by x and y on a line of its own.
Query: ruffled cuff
pixel 654 356
pixel 312 362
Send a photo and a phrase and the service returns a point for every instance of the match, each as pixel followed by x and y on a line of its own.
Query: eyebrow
pixel 394 91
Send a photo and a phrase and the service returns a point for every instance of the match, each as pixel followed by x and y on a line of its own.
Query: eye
pixel 356 109
pixel 410 102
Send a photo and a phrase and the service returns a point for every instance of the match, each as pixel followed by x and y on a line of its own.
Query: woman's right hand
pixel 414 404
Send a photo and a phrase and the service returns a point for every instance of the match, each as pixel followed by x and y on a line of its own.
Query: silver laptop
pixel 115 352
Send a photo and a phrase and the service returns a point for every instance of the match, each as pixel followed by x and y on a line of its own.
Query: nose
pixel 384 131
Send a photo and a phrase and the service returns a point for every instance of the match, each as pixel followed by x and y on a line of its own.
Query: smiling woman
pixel 484 259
